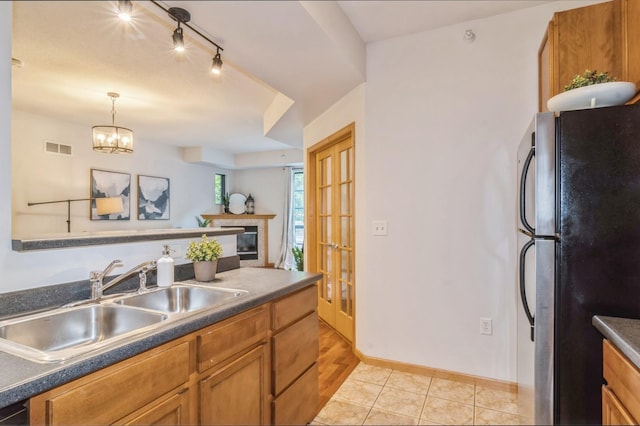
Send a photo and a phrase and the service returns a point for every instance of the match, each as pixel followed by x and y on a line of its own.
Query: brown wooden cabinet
pixel 115 393
pixel 221 374
pixel 603 37
pixel 295 353
pixel 621 394
pixel 234 358
pixel 175 410
pixel 238 392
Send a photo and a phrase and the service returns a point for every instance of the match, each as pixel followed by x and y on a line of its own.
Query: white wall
pixel 40 176
pixel 267 188
pixel 443 121
pixel 40 268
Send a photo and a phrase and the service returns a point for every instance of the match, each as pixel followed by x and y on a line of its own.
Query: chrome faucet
pixel 97 277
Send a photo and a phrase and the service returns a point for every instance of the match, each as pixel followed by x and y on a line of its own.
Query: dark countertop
pixel 624 333
pixel 81 239
pixel 21 378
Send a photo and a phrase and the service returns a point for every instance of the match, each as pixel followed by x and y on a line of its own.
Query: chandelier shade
pixel 112 139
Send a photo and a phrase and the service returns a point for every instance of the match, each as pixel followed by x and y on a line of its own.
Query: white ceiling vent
pixel 57 148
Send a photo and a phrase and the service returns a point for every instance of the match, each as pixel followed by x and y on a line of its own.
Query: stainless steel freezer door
pixel 545 175
pixel 545 254
pixel 525 309
pixel 537 177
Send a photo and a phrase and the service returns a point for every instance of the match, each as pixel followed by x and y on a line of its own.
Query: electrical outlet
pixel 379 227
pixel 485 326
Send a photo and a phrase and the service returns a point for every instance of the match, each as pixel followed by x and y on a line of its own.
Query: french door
pixel 331 164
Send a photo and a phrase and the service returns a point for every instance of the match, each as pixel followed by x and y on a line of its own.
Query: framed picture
pixel 153 198
pixel 110 195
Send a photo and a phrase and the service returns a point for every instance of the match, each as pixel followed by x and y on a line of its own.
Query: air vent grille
pixel 57 148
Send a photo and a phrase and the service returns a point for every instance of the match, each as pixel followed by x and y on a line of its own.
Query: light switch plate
pixel 379 227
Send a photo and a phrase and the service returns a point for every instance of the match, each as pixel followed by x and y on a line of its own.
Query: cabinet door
pixel 172 411
pixel 115 392
pixel 602 37
pixel 238 392
pixel 613 412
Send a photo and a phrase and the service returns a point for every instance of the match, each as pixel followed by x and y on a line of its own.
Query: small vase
pixel 205 271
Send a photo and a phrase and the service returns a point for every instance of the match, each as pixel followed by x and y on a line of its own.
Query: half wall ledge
pixel 61 241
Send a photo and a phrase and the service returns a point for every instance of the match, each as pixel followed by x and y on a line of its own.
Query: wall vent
pixel 57 148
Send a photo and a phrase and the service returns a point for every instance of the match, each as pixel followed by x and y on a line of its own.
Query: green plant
pixel 298 257
pixel 225 201
pixel 205 250
pixel 589 78
pixel 203 223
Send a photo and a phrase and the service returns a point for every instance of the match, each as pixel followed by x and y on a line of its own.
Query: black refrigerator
pixel 579 255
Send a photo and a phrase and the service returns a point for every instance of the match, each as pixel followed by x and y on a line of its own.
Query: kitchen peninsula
pixel 244 336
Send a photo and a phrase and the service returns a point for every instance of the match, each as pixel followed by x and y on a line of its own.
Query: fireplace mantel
pixel 259 220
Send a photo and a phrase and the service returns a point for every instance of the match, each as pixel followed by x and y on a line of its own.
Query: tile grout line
pixel 378 396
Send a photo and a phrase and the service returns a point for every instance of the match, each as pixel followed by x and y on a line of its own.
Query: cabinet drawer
pixel 623 378
pixel 112 396
pixel 298 405
pixel 294 350
pixel 613 412
pixel 231 336
pixel 294 307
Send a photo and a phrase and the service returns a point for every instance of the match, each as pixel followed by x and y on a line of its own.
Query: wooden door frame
pixel 311 208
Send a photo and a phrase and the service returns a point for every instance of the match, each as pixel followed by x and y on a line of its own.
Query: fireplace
pixel 247 244
pixel 253 245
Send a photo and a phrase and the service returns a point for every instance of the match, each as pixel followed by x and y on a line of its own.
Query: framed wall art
pixel 110 195
pixel 153 198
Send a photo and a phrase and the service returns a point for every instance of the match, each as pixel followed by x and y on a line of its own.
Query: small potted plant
pixel 204 254
pixel 225 202
pixel 203 223
pixel 298 257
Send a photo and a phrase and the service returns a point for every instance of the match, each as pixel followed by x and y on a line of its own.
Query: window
pixel 220 185
pixel 298 207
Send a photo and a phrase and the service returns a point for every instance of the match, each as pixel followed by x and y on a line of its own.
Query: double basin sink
pixel 65 333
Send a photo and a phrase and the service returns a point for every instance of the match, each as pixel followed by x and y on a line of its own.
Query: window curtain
pixel 285 258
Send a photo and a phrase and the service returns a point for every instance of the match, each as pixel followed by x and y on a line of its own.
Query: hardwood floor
pixel 335 363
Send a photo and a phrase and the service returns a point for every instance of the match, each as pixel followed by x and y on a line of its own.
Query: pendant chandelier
pixel 112 139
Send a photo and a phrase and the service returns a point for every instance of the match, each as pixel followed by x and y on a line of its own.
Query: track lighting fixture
pixel 216 65
pixel 182 17
pixel 125 7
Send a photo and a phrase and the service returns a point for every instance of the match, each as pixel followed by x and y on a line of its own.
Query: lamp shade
pixel 112 139
pixel 109 205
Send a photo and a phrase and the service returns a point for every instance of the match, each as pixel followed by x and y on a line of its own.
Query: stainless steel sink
pixel 181 299
pixel 64 333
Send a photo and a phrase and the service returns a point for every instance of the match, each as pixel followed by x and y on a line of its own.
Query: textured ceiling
pixel 310 53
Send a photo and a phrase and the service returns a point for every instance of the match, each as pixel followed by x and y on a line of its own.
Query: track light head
pixel 178 39
pixel 125 7
pixel 216 64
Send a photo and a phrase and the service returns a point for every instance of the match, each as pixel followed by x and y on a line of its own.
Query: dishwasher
pixel 16 414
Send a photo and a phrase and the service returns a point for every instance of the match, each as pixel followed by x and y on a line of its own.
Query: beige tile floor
pixel 381 396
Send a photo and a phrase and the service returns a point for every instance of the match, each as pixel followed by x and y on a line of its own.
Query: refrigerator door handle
pixel 523 293
pixel 523 190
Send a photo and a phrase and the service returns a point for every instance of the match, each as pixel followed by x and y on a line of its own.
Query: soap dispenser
pixel 165 267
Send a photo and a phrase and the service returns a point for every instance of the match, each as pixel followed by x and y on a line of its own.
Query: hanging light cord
pixel 190 27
